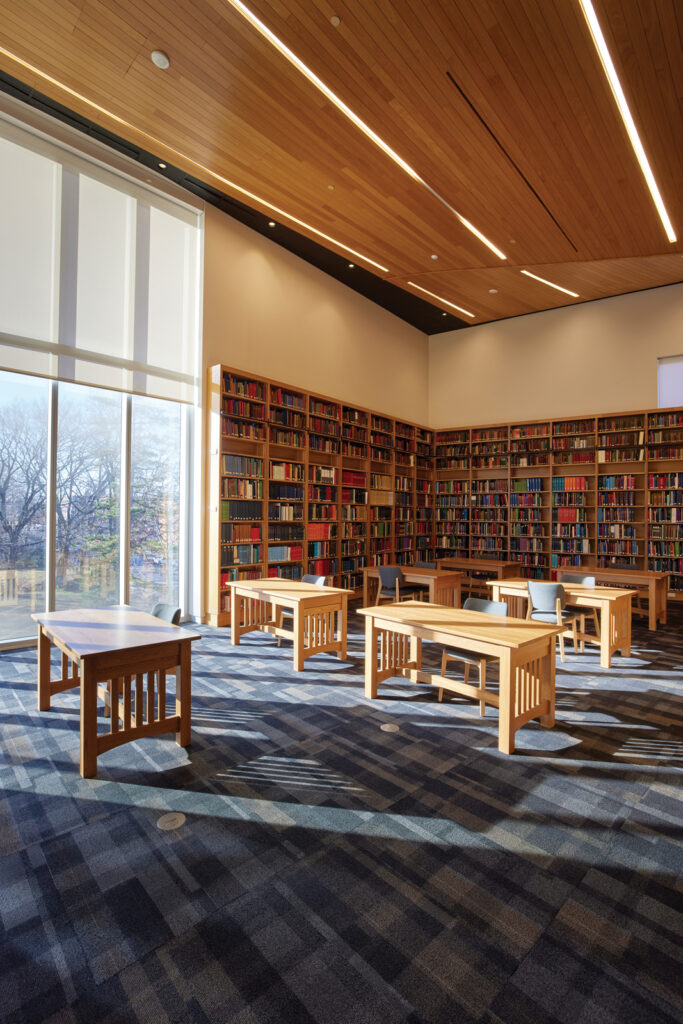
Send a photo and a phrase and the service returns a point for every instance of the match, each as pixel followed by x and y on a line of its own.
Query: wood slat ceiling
pixel 500 106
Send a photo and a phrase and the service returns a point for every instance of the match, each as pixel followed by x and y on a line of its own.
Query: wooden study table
pixel 656 584
pixel 444 584
pixel 614 606
pixel 129 651
pixel 319 614
pixel 525 650
pixel 494 567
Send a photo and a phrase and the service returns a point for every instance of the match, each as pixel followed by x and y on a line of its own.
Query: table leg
pixel 234 619
pixel 366 589
pixel 506 734
pixel 652 608
pixel 183 696
pixel 343 616
pixel 88 723
pixel 605 634
pixel 548 684
pixel 298 630
pixel 370 658
pixel 43 670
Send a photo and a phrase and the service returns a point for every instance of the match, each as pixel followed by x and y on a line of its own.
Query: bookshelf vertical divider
pixel 304 483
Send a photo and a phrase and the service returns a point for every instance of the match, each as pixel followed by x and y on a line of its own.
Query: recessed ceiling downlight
pixel 160 60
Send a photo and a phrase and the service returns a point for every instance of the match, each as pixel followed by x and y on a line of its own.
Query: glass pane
pixel 88 496
pixel 29 227
pixel 106 233
pixel 154 502
pixel 23 458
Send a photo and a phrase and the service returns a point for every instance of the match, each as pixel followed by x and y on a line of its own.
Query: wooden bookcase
pixel 302 483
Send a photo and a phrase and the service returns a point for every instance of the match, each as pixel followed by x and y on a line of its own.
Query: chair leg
pixel 582 627
pixel 575 637
pixel 560 639
pixel 596 622
pixel 444 658
pixel 482 686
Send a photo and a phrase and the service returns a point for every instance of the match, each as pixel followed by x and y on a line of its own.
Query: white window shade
pixel 100 283
pixel 30 187
pixel 670 381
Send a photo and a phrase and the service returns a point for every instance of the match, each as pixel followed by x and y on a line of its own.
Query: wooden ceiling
pixel 500 106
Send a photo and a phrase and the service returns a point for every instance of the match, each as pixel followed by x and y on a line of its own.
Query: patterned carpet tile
pixel 330 870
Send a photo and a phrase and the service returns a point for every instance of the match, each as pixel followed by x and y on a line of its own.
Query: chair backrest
pixel 318 580
pixel 479 604
pixel 167 612
pixel 388 574
pixel 577 577
pixel 424 565
pixel 544 595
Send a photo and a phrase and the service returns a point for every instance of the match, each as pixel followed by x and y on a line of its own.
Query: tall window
pixel 23 464
pixel 99 291
pixel 155 502
pixel 88 488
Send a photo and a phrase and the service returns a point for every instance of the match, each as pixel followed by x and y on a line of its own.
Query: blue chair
pixel 587 581
pixel 318 581
pixel 391 585
pixel 167 612
pixel 548 603
pixel 423 588
pixel 474 604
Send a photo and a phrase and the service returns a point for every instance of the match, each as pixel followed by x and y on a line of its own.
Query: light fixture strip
pixel 629 124
pixel 440 299
pixel 550 284
pixel 187 159
pixel 353 117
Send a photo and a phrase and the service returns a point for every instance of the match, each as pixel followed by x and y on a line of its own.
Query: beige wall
pixel 270 313
pixel 595 357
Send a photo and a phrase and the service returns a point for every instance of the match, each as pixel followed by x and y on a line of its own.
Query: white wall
pixel 590 358
pixel 270 313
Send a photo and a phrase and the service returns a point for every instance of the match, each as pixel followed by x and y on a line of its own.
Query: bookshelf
pixel 300 482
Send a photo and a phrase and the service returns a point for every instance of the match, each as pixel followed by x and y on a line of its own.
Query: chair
pixel 391 585
pixel 474 604
pixel 423 587
pixel 167 612
pixel 319 581
pixel 587 581
pixel 547 603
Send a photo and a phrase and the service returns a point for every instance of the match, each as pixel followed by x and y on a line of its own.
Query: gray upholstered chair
pixel 423 588
pixel 587 581
pixel 548 603
pixel 391 586
pixel 318 581
pixel 167 612
pixel 474 604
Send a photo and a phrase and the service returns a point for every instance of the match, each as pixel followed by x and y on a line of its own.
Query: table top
pixel 624 572
pixel 413 570
pixel 287 590
pixel 571 589
pixel 463 624
pixel 88 631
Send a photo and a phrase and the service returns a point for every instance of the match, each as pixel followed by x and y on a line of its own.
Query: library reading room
pixel 341 512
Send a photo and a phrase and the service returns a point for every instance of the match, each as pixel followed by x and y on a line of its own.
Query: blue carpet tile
pixel 331 872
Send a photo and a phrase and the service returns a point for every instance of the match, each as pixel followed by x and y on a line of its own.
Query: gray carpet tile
pixel 331 871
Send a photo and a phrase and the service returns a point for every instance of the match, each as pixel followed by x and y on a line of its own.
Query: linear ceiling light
pixel 550 284
pixel 629 124
pixel 354 118
pixel 188 159
pixel 440 299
